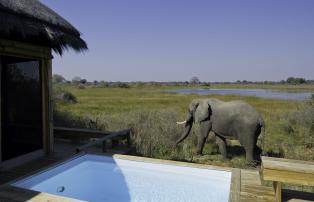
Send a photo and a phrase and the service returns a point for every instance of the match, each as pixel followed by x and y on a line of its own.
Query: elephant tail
pixel 263 127
pixel 261 122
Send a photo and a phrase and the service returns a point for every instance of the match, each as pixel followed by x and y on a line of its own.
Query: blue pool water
pixel 100 178
pixel 263 93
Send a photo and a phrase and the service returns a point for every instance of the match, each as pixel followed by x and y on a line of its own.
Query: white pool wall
pixel 99 178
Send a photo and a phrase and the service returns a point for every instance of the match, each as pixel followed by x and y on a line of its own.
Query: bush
pixel 69 97
pixel 155 132
pixel 57 78
pixel 64 96
pixel 80 86
pixel 67 119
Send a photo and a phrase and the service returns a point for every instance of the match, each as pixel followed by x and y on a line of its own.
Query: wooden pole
pixel 277 189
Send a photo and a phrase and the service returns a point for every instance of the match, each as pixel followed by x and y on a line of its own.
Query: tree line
pixel 57 79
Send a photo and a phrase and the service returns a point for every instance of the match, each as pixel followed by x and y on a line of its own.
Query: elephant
pixel 235 119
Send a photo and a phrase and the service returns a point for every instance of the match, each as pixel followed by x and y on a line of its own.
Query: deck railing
pixel 289 171
pixel 97 136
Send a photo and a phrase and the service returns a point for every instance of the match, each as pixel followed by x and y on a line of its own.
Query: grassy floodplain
pixel 153 113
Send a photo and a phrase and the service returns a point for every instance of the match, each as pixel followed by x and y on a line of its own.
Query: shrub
pixel 155 132
pixel 67 119
pixel 69 97
pixel 64 96
pixel 80 86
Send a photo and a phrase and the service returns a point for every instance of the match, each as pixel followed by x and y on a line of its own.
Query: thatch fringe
pixel 57 33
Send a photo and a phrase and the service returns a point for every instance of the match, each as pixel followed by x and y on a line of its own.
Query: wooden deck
pixel 247 186
pixel 288 171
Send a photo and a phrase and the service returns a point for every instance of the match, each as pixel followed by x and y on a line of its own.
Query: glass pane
pixel 21 107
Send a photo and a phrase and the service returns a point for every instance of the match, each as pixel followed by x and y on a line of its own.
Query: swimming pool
pixel 102 178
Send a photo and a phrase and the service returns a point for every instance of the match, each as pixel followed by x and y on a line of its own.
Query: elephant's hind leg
pixel 221 142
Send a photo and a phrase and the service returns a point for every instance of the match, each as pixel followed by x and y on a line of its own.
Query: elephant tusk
pixel 180 123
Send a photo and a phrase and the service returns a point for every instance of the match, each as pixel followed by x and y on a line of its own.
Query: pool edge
pixel 17 193
pixel 171 162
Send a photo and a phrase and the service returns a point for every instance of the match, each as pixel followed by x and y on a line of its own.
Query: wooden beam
pixel 77 133
pixel 50 108
pixel 235 188
pixel 15 48
pixel 102 140
pixel 289 177
pixel 47 104
pixel 44 87
pixel 0 110
pixel 288 165
pixel 288 171
pixel 80 133
pixel 277 189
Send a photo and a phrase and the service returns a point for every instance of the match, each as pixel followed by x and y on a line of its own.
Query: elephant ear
pixel 202 112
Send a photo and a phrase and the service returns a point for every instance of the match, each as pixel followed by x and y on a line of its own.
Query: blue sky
pixel 173 40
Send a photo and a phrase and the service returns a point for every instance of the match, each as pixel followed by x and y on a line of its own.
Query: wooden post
pixel 235 189
pixel 115 143
pixel 128 138
pixel 277 189
pixel 0 111
pixel 104 146
pixel 47 105
pixel 50 108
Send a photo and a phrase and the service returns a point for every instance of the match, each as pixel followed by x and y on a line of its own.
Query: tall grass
pixel 291 135
pixel 152 114
pixel 154 132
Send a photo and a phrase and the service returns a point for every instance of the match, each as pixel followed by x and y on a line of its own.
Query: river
pixel 263 93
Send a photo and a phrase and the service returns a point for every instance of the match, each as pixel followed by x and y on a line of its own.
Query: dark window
pixel 21 117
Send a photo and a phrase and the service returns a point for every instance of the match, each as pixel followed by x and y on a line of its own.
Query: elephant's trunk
pixel 188 127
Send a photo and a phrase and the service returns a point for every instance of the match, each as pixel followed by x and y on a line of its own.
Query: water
pixel 99 178
pixel 263 93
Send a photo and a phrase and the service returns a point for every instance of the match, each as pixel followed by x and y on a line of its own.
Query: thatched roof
pixel 33 22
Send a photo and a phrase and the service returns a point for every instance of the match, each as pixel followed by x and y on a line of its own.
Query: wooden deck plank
pixel 288 171
pixel 294 161
pixel 235 188
pixel 252 188
pixel 289 177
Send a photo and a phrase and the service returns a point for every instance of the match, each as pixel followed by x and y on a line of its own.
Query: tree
pixel 195 80
pixel 57 78
pixel 83 81
pixel 76 80
pixel 292 80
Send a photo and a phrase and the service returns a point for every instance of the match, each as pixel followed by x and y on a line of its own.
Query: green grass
pixel 153 113
pixel 117 100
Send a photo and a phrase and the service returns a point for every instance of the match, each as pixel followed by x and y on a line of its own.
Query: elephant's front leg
pixel 205 127
pixel 221 142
